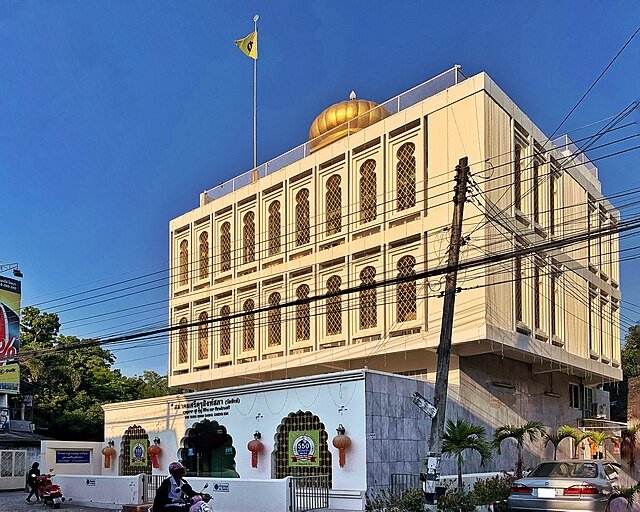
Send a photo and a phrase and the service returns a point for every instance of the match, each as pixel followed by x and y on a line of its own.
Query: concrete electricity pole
pixel 444 347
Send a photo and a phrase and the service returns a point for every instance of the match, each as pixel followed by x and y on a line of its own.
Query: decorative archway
pixel 207 450
pixel 282 463
pixel 134 435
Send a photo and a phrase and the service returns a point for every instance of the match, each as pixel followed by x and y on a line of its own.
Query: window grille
pixel 204 255
pixel 553 200
pixel 203 336
pixel 184 263
pixel 19 463
pixel 334 205
pixel 6 464
pixel 553 290
pixel 301 421
pixel 368 299
pixel 303 320
pixel 303 231
pixel 225 247
pixel 407 308
pixel 518 284
pixel 126 469
pixel 248 326
pixel 249 238
pixel 517 177
pixel 274 228
pixel 537 290
pixel 406 176
pixel 183 342
pixel 275 326
pixel 536 192
pixel 334 307
pixel 225 331
pixel 368 191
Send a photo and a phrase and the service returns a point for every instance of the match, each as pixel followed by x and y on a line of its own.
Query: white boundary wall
pixel 48 450
pixel 109 492
pixel 246 495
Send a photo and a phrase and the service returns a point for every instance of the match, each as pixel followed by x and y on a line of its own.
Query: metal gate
pixel 309 493
pixel 401 482
pixel 13 469
pixel 150 485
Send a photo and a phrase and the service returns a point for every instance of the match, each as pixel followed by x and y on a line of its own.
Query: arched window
pixel 274 228
pixel 303 322
pixel 183 342
pixel 333 199
pixel 248 326
pixel 334 307
pixel 368 299
pixel 368 191
pixel 203 336
pixel 275 326
pixel 249 237
pixel 225 247
pixel 204 255
pixel 406 176
pixel 225 331
pixel 407 308
pixel 303 234
pixel 184 263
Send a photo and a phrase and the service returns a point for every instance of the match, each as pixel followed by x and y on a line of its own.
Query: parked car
pixel 565 486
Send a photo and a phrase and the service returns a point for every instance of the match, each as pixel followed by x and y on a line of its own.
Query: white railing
pixel 404 100
pixel 564 143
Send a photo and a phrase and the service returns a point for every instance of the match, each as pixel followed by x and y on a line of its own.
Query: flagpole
pixel 255 102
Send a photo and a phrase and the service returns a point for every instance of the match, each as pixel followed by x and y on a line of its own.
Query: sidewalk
pixel 14 501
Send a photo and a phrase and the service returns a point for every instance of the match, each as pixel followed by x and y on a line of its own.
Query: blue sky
pixel 115 115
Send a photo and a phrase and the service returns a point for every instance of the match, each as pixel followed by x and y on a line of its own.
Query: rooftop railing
pixel 564 143
pixel 404 100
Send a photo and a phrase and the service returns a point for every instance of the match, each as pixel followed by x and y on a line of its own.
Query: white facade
pixel 249 249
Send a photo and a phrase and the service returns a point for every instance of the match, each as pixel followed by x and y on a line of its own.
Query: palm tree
pixel 461 436
pixel 598 437
pixel 530 429
pixel 576 434
pixel 555 439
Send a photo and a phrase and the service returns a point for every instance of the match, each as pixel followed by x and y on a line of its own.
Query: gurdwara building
pixel 314 282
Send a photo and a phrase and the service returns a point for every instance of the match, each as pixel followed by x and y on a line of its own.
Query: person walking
pixel 32 481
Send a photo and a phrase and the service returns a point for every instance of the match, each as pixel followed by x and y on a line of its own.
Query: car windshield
pixel 565 470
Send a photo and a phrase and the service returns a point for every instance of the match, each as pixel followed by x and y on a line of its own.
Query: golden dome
pixel 343 119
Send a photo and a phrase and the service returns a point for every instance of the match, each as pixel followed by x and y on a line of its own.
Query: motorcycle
pixel 49 493
pixel 200 502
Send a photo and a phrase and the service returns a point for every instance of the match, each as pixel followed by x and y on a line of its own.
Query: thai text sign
pixel 73 456
pixel 304 447
pixel 138 452
pixel 9 318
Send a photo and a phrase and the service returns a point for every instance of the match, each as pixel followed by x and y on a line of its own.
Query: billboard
pixel 9 318
pixel 10 378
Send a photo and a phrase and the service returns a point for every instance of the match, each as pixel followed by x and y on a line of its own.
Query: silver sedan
pixel 565 486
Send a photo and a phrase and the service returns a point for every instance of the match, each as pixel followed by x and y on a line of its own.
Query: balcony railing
pixel 404 100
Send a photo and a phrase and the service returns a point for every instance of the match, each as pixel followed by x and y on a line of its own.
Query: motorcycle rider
pixel 170 496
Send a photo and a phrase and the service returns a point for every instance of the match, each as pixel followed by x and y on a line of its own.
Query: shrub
pixel 412 500
pixel 491 490
pixel 455 501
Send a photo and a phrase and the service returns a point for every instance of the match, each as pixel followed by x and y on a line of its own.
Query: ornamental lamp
pixel 341 442
pixel 255 447
pixel 154 452
pixel 108 452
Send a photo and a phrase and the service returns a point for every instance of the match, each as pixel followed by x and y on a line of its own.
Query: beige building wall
pixel 474 119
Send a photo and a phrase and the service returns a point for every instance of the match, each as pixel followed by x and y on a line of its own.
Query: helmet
pixel 176 467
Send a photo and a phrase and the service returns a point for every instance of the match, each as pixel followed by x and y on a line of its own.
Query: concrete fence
pixel 110 492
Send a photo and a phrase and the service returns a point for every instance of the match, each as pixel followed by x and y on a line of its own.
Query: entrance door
pixel 208 451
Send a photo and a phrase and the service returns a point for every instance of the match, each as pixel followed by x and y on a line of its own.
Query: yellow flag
pixel 249 45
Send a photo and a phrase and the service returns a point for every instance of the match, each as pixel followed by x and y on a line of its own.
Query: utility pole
pixel 444 347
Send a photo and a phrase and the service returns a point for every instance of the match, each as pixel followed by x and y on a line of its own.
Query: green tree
pixel 531 430
pixel 71 385
pixel 555 439
pixel 576 434
pixel 630 361
pixel 464 436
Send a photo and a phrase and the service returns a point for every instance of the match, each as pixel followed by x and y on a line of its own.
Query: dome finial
pixel 352 96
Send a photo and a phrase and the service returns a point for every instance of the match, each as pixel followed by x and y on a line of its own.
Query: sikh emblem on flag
pixel 249 45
